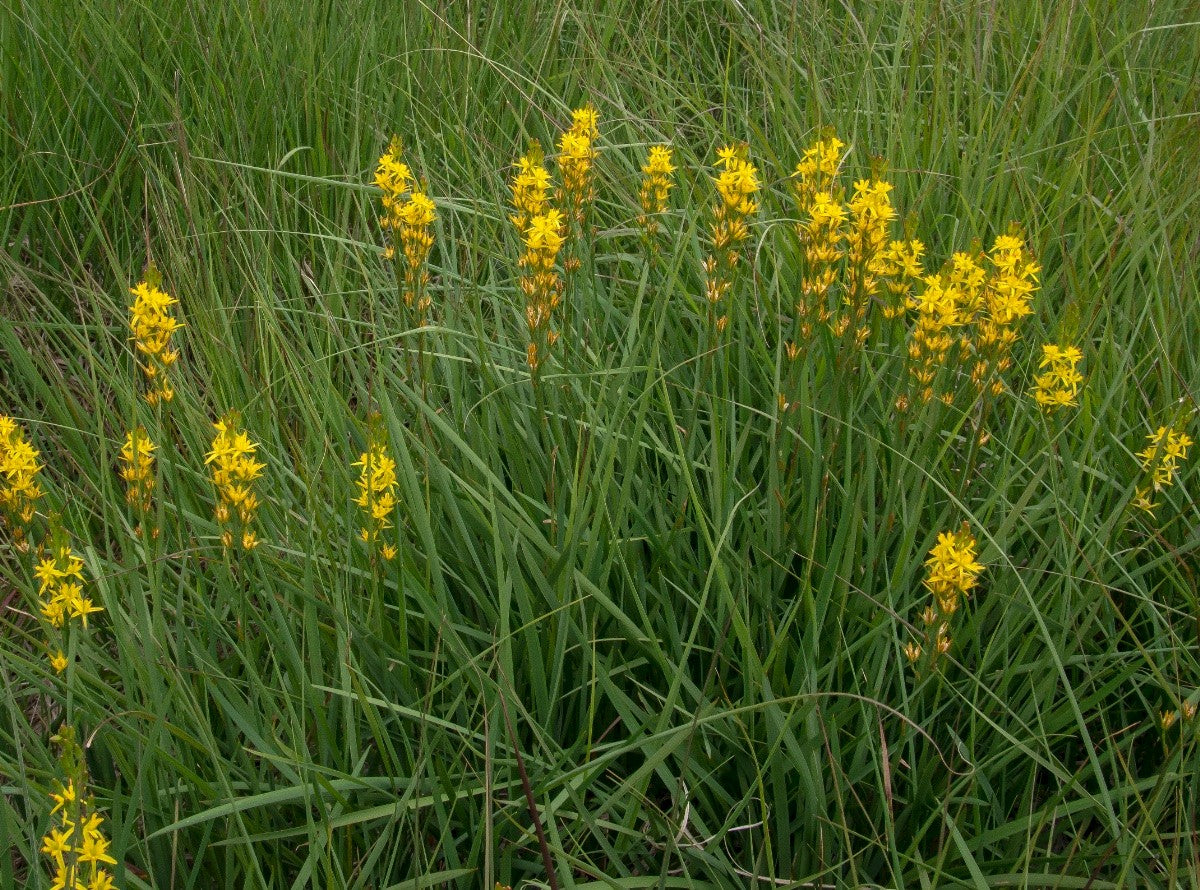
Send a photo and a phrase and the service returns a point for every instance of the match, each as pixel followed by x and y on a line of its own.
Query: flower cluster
pixel 901 264
pixel 74 842
pixel 1058 384
pixel 932 337
pixel 530 188
pixel 137 469
pixel 871 215
pixel 737 184
pixel 19 488
pixel 821 227
pixel 152 326
pixel 576 156
pixel 409 214
pixel 655 190
pixel 951 573
pixel 60 588
pixel 1165 449
pixel 377 489
pixel 952 569
pixel 234 471
pixel 1006 298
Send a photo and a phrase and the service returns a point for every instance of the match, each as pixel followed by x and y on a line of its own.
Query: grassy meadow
pixel 718 591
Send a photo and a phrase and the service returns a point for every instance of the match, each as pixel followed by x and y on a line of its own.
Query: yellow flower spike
pixel 1166 448
pixel 952 569
pixel 408 214
pixel 577 155
pixel 19 488
pixel 234 471
pixel 377 486
pixel 737 185
pixel 152 326
pixel 655 191
pixel 137 469
pixel 1058 384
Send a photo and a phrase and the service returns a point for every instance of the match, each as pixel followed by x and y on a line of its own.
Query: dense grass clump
pixel 716 444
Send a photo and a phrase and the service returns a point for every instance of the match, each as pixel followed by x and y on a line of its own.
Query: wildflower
pixel 152 326
pixel 19 488
pixel 938 308
pixel 75 842
pixel 61 586
pixel 1166 448
pixel 540 280
pixel 656 189
pixel 530 188
pixel 58 661
pixel 912 651
pixel 952 569
pixel 137 469
pixel 576 156
pixel 234 471
pixel 409 214
pixel 737 184
pixel 995 309
pixel 376 488
pixel 1166 719
pixel 822 218
pixel 871 214
pixel 1058 385
pixel 901 264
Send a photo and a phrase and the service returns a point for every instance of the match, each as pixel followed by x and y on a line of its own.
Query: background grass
pixel 700 654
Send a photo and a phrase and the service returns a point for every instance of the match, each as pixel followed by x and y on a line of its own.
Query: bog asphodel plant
pixel 543 232
pixel 152 325
pixel 576 160
pixel 1166 448
pixel 377 489
pixel 655 191
pixel 408 215
pixel 75 844
pixel 1057 386
pixel 19 488
pixel 867 263
pixel 737 185
pixel 951 571
pixel 234 471
pixel 59 573
pixel 137 469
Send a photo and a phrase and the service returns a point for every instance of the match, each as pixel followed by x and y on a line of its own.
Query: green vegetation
pixel 645 626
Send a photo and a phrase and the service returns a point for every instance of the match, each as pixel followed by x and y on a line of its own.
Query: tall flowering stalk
pixel 902 270
pixel 655 191
pixel 1058 384
pixel 377 489
pixel 1005 298
pixel 137 469
pixel 543 233
pixel 932 337
pixel 821 228
pixel 408 214
pixel 951 572
pixel 737 184
pixel 576 159
pixel 152 325
pixel 75 844
pixel 1166 448
pixel 234 470
pixel 871 215
pixel 19 488
pixel 61 595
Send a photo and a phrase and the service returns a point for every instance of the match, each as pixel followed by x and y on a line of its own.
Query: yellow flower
pixel 137 468
pixel 234 471
pixel 57 844
pixel 58 661
pixel 1166 448
pixel 19 488
pixel 152 326
pixel 737 185
pixel 577 153
pixel 376 487
pixel 61 578
pixel 530 188
pixel 952 568
pixel 655 190
pixel 1058 385
pixel 409 214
